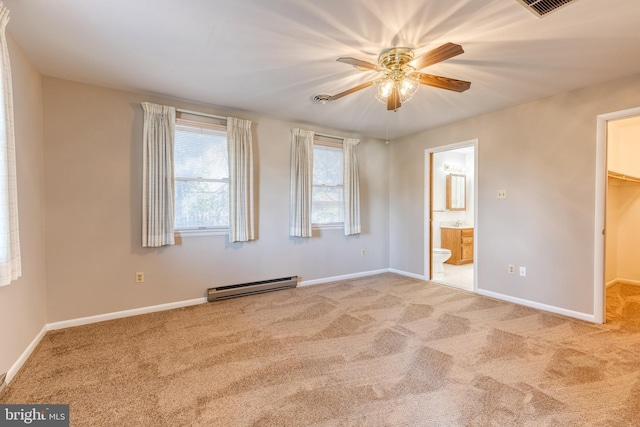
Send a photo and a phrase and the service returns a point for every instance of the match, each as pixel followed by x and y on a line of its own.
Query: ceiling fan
pixel 401 78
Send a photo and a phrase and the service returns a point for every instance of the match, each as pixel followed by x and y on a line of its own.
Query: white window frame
pixel 201 231
pixel 328 225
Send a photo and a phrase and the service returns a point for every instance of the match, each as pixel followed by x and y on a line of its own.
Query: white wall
pixel 543 154
pixel 23 302
pixel 93 139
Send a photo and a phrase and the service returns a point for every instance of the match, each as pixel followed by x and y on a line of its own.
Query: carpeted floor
pixel 623 306
pixel 384 350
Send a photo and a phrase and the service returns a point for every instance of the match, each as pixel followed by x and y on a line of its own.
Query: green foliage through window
pixel 201 178
pixel 327 199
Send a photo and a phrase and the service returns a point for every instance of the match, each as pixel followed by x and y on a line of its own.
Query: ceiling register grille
pixel 542 7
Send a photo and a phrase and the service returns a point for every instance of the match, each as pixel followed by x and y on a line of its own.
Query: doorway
pixel 450 223
pixel 622 266
pixel 617 271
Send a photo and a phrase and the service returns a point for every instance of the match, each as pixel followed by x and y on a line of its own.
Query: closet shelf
pixel 623 177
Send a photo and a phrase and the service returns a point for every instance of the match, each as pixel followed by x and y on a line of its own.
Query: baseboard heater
pixel 242 289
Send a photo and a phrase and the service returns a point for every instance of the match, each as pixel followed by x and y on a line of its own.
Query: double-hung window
pixel 327 206
pixel 201 177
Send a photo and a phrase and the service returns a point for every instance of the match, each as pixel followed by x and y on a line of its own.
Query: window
pixel 201 177
pixel 327 205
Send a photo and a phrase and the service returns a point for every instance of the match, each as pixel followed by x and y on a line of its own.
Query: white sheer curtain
pixel 239 147
pixel 301 183
pixel 351 187
pixel 157 191
pixel 10 262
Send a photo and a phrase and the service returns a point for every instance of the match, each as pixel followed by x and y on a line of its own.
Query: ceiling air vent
pixel 541 8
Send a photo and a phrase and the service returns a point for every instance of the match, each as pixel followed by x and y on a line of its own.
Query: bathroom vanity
pixel 459 240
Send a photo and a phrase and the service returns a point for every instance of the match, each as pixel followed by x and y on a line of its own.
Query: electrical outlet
pixel 502 194
pixel 140 277
pixel 511 269
pixel 523 271
pixel 362 252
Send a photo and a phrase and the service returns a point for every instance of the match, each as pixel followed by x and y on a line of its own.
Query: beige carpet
pixel 623 306
pixel 384 350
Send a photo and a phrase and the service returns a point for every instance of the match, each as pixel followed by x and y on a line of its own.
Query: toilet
pixel 440 255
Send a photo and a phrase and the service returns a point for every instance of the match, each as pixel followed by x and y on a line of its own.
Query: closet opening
pixel 622 210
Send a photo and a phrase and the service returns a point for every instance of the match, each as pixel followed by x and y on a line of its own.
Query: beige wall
pixel 93 193
pixel 543 154
pixel 623 232
pixel 23 302
pixel 623 146
pixel 614 195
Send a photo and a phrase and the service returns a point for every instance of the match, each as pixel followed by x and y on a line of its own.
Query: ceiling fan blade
pixel 359 64
pixel 353 89
pixel 443 82
pixel 446 51
pixel 393 100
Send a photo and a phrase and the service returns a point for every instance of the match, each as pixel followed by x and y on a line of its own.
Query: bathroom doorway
pixel 450 228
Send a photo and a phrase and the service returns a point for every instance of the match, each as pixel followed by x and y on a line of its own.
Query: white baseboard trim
pixel 25 355
pixel 623 281
pixel 144 310
pixel 406 273
pixel 550 308
pixel 93 319
pixel 343 277
pixel 125 313
pixel 179 304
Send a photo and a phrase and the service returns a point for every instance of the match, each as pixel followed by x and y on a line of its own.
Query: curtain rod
pixel 341 138
pixel 197 113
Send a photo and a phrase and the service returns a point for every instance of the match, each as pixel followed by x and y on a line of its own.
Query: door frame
pixel 599 300
pixel 428 193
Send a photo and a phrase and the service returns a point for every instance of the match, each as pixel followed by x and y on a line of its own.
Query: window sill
pixel 332 226
pixel 198 232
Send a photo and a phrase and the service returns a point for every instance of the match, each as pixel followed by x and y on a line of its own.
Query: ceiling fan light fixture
pixel 401 77
pixel 384 88
pixel 407 88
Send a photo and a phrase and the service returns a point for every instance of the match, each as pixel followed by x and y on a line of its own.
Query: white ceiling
pixel 273 56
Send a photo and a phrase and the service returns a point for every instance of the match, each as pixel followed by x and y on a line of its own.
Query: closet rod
pixel 622 177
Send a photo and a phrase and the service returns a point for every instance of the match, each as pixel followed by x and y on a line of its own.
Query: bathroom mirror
pixel 456 192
